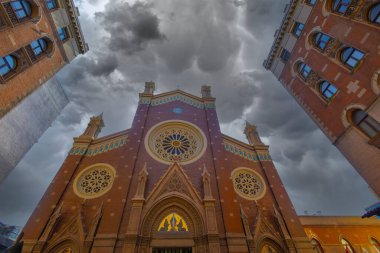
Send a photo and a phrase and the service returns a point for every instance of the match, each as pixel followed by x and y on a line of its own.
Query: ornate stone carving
pixel 313 79
pixel 143 177
pixel 248 184
pixel 175 141
pixel 206 184
pixel 332 47
pixel 94 181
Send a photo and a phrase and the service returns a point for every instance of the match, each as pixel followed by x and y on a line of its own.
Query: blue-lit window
pixel 351 57
pixel 7 64
pixel 365 123
pixel 321 40
pixel 328 90
pixel 374 14
pixel 22 9
pixel 38 46
pixel 311 2
pixel 62 33
pixel 51 4
pixel 285 55
pixel 304 70
pixel 297 29
pixel 341 6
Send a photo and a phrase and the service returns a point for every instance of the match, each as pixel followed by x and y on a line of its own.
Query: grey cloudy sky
pixel 186 44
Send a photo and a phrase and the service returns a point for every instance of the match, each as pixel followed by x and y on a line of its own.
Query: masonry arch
pixel 170 204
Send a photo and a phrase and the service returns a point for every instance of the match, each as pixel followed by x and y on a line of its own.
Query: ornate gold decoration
pixel 94 181
pixel 248 184
pixel 173 223
pixel 66 250
pixel 175 141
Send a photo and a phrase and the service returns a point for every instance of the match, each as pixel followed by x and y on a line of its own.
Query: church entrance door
pixel 171 250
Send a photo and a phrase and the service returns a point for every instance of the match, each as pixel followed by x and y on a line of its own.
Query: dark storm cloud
pixel 130 27
pixel 184 44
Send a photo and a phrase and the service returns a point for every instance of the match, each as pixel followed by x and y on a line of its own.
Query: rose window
pixel 248 183
pixel 175 141
pixel 94 181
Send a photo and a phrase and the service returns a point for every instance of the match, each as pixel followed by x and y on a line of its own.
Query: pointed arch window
pixel 7 64
pixel 374 14
pixel 365 123
pixel 347 246
pixel 22 9
pixel 304 70
pixel 328 90
pixel 66 250
pixel 38 46
pixel 320 40
pixel 351 57
pixel 341 6
pixel 375 244
pixel 317 247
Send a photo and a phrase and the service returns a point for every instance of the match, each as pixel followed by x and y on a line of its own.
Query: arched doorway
pixel 173 225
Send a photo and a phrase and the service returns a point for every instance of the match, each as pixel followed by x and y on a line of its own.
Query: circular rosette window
pixel 248 184
pixel 175 141
pixel 94 181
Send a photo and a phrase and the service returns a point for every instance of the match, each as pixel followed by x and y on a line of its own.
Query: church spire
pixel 252 135
pixel 206 91
pixel 149 87
pixel 94 127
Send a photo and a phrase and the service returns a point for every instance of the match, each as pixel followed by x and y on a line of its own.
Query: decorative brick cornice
pixel 99 147
pixel 245 152
pixel 286 21
pixel 73 14
pixel 178 95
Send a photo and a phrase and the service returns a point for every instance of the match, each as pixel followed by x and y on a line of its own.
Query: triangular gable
pixel 174 180
pixel 178 95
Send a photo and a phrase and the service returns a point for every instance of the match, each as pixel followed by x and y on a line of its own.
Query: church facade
pixel 173 183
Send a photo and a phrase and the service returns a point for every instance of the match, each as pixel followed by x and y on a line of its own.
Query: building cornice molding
pixel 286 21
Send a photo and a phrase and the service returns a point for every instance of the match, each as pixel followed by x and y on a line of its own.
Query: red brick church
pixel 173 183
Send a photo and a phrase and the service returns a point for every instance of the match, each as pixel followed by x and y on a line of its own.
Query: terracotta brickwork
pixel 32 71
pixel 144 189
pixel 362 234
pixel 357 87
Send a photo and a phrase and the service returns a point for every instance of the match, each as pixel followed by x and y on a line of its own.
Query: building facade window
pixel 22 9
pixel 311 2
pixel 62 33
pixel 38 46
pixel 320 40
pixel 340 6
pixel 365 123
pixel 285 55
pixel 374 14
pixel 317 247
pixel 328 90
pixel 347 246
pixel 304 70
pixel 7 64
pixel 351 57
pixel 297 29
pixel 51 4
pixel 375 244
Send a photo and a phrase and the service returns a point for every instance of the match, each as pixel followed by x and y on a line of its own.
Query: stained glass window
pixel 173 223
pixel 347 246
